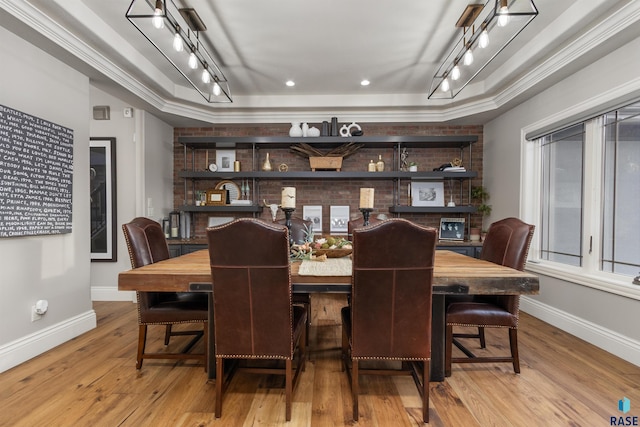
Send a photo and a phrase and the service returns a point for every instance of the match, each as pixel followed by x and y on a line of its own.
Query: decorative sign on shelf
pixel 36 170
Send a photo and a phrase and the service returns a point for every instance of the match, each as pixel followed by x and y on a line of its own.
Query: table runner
pixel 330 267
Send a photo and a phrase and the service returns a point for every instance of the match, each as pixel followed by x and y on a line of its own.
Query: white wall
pixel 55 267
pixel 144 170
pixel 602 318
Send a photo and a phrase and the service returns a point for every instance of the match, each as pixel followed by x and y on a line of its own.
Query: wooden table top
pixel 453 273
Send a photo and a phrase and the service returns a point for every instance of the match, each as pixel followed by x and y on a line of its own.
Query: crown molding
pixel 381 108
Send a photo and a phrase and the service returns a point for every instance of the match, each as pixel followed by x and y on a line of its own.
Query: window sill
pixel 602 281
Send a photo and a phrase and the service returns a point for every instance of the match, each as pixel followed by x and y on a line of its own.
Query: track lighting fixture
pixel 173 31
pixel 498 22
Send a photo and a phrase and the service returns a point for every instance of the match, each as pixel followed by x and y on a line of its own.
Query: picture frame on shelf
pixel 216 197
pixel 451 229
pixel 339 223
pixel 225 159
pixel 427 193
pixel 313 213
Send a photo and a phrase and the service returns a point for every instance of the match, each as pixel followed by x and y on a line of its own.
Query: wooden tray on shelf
pixel 327 163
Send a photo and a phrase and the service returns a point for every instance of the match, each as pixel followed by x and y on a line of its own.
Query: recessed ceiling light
pixel 290 83
pixel 365 82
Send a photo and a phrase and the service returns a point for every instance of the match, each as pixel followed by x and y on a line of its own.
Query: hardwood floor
pixel 92 381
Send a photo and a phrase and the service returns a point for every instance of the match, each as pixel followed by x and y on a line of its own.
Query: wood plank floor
pixel 92 381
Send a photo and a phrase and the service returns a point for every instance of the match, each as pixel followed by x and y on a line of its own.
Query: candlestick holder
pixel 287 215
pixel 365 214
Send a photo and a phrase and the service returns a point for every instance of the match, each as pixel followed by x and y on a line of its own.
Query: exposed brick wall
pixel 331 192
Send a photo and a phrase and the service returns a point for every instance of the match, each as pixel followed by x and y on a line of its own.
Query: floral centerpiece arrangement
pixel 322 248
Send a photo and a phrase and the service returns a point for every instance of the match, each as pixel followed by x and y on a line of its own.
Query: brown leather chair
pixel 507 243
pixel 357 223
pixel 254 317
pixel 299 233
pixel 390 313
pixel 300 229
pixel 147 244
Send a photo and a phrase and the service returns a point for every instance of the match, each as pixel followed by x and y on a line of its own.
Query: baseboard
pixel 30 346
pixel 608 340
pixel 105 293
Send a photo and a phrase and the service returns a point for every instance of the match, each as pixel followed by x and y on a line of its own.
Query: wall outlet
pixel 34 315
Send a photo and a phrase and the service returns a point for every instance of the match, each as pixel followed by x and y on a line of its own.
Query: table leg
pixel 211 351
pixel 438 324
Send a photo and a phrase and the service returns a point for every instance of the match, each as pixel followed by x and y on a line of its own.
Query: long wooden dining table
pixel 454 274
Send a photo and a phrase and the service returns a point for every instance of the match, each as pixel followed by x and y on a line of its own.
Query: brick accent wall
pixel 331 192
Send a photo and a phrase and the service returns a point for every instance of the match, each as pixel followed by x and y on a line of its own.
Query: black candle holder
pixel 287 222
pixel 365 214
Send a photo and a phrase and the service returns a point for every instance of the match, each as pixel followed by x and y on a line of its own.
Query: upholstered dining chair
pixel 299 233
pixel 356 223
pixel 254 316
pixel 300 228
pixel 389 317
pixel 507 243
pixel 147 244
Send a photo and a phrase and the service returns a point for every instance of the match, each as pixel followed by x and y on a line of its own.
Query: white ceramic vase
pixel 296 130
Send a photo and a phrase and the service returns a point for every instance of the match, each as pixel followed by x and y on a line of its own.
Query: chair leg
pixel 167 334
pixel 288 388
pixel 483 342
pixel 355 387
pixel 308 325
pixel 219 385
pixel 303 351
pixel 205 328
pixel 448 344
pixel 142 340
pixel 345 348
pixel 513 341
pixel 425 391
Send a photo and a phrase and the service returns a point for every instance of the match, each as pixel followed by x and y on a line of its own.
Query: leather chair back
pixel 357 223
pixel 391 290
pixel 507 243
pixel 146 242
pixel 147 245
pixel 299 229
pixel 251 289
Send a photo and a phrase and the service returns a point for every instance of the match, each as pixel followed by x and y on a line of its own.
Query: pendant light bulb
pixel 177 41
pixel 483 41
pixel 468 57
pixel 455 73
pixel 193 61
pixel 217 90
pixel 503 16
pixel 445 85
pixel 158 20
pixel 206 77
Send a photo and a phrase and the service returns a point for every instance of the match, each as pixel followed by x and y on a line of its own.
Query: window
pixel 562 154
pixel 621 185
pixel 587 177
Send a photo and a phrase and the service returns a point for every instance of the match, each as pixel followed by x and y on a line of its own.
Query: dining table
pixel 454 274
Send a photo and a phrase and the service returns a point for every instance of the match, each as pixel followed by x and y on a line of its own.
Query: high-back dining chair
pixel 299 232
pixel 299 229
pixel 254 317
pixel 507 243
pixel 147 245
pixel 390 313
pixel 356 223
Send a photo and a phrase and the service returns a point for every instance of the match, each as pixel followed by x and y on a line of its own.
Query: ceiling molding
pixel 375 108
pixel 613 25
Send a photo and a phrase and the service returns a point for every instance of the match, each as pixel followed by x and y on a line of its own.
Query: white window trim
pixel 588 274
